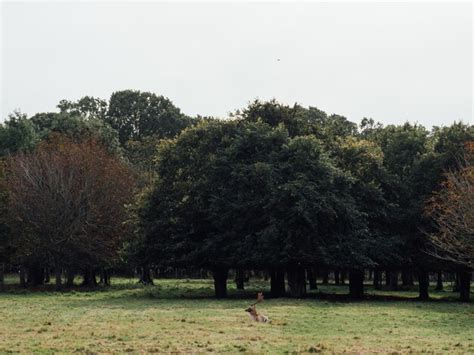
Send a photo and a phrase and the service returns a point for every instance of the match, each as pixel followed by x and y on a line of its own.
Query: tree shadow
pixel 179 291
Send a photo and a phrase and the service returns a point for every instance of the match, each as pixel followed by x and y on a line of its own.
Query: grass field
pixel 181 316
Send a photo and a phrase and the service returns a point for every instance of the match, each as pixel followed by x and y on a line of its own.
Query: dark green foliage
pixel 199 201
pixel 88 107
pixel 278 188
pixel 17 133
pixel 240 194
pixel 76 126
pixel 136 115
pixel 298 120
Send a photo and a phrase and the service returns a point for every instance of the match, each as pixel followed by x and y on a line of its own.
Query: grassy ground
pixel 180 316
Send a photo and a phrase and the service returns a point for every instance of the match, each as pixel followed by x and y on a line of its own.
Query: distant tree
pixel 141 154
pixel 452 212
pixel 314 219
pixel 405 149
pixel 66 203
pixel 17 133
pixel 88 107
pixel 136 115
pixel 445 148
pixel 363 160
pixel 274 113
pixel 4 231
pixel 76 126
pixel 298 120
pixel 402 147
pixel 140 250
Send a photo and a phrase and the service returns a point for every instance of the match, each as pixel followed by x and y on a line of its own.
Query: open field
pixel 181 316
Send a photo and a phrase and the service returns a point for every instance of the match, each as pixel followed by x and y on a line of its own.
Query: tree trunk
pixel 336 277
pixel 356 284
pixel 377 276
pixel 266 276
pixel 325 278
pixel 394 281
pixel 22 277
pixel 89 278
pixel 239 279
pixel 297 281
pixel 456 285
pixel 277 282
pixel 47 277
pixel 70 278
pixel 104 277
pixel 145 276
pixel 220 282
pixel 312 279
pixel 159 273
pixel 371 274
pixel 423 284
pixel 387 278
pixel 464 285
pixel 439 282
pixel 343 277
pixel 58 275
pixel 203 274
pixel 35 275
pixel 407 278
pixel 2 276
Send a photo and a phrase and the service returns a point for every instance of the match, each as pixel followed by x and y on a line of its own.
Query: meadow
pixel 176 316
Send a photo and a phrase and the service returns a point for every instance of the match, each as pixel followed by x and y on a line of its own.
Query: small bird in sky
pixel 278 59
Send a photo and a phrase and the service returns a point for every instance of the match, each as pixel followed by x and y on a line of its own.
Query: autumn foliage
pixel 452 211
pixel 67 199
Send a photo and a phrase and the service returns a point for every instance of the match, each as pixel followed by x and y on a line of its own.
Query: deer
pixel 252 311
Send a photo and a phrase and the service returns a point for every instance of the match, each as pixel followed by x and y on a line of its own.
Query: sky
pixel 393 62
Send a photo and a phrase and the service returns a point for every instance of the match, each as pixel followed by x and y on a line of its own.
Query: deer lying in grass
pixel 252 311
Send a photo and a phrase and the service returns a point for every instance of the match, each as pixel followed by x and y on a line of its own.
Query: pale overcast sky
pixel 389 61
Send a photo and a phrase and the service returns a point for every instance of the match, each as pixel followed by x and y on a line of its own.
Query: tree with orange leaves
pixel 66 202
pixel 452 211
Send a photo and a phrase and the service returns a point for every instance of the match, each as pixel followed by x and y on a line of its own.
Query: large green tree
pixel 405 148
pixel 244 194
pixel 194 214
pixel 371 189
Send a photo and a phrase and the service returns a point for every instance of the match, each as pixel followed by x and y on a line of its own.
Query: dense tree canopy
pixel 276 188
pixel 237 194
pixel 136 114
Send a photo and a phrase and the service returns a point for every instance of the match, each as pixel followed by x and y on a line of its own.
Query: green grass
pixel 181 316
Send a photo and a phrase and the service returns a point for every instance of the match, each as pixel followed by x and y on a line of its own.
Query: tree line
pixel 132 183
